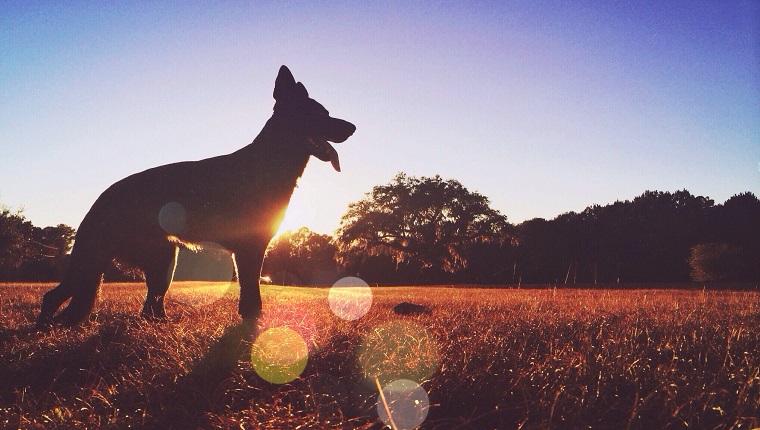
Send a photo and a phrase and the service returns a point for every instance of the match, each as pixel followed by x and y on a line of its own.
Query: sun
pixel 294 219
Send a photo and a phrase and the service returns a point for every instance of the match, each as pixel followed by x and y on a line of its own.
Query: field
pixel 480 359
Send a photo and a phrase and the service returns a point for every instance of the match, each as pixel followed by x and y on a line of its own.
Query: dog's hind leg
pixel 159 271
pixel 81 284
pixel 82 301
pixel 52 300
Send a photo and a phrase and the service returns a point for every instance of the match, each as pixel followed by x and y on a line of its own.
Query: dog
pixel 236 200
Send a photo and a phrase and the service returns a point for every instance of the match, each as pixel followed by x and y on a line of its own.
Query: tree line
pixel 427 230
pixel 656 237
pixel 32 253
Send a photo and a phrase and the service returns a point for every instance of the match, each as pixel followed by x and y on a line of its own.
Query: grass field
pixel 482 358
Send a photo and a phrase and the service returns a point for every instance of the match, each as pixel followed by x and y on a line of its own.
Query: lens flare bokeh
pixel 296 317
pixel 398 350
pixel 172 217
pixel 403 404
pixel 279 355
pixel 350 298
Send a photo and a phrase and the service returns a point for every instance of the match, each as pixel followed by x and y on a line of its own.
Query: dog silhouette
pixel 236 200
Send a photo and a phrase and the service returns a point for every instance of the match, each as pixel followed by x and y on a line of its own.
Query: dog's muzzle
pixel 324 151
pixel 321 148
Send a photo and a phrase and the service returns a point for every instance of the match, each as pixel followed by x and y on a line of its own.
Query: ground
pixel 482 358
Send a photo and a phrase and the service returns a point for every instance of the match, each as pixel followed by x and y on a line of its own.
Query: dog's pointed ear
pixel 300 91
pixel 284 84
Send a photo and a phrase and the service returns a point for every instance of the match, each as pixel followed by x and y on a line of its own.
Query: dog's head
pixel 311 122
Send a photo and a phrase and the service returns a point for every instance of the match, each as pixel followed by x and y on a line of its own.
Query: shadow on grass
pixel 44 366
pixel 123 373
pixel 222 390
pixel 70 370
pixel 201 392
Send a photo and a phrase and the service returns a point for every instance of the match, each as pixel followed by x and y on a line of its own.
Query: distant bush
pixel 712 262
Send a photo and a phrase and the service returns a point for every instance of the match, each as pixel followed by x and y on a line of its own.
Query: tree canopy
pixel 301 257
pixel 426 221
pixel 712 262
pixel 647 239
pixel 32 253
pixel 15 233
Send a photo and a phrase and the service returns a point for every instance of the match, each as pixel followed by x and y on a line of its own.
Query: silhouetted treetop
pixel 15 239
pixel 652 238
pixel 428 220
pixel 301 257
pixel 32 253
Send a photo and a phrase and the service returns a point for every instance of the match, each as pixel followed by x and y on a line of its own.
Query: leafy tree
pixel 209 263
pixel 32 253
pixel 54 242
pixel 301 257
pixel 49 249
pixel 738 222
pixel 712 262
pixel 666 226
pixel 15 237
pixel 489 263
pixel 647 239
pixel 426 223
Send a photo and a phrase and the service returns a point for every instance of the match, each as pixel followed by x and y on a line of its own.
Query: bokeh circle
pixel 172 218
pixel 279 355
pixel 295 316
pixel 398 349
pixel 403 405
pixel 350 298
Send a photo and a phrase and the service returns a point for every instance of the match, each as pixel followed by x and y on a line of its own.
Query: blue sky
pixel 544 107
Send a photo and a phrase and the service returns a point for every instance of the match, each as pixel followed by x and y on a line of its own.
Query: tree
pixel 32 253
pixel 643 240
pixel 15 236
pixel 301 257
pixel 737 221
pixel 49 249
pixel 210 262
pixel 426 222
pixel 712 262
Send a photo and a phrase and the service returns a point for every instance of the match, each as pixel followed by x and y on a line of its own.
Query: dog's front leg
pixel 248 261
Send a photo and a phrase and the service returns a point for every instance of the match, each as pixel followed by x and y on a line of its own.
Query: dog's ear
pixel 284 85
pixel 300 91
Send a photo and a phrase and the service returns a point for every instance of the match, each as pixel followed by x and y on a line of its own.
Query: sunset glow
pixel 543 108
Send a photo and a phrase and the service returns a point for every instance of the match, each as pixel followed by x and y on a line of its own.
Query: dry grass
pixel 486 359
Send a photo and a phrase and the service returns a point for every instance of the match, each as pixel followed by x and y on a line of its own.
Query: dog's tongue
pixel 334 158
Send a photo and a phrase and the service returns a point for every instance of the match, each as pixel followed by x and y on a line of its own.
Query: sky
pixel 543 107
